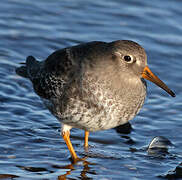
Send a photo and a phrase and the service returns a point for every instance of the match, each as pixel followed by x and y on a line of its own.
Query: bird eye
pixel 128 58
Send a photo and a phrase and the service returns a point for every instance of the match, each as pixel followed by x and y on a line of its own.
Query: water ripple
pixel 30 142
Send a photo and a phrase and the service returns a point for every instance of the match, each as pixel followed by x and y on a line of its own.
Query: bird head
pixel 133 61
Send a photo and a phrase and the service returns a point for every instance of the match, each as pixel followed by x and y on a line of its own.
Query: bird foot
pixel 76 160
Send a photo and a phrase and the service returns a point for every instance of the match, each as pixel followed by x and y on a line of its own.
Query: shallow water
pixel 30 143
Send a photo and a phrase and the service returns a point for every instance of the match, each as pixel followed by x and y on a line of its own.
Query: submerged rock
pixel 174 174
pixel 159 146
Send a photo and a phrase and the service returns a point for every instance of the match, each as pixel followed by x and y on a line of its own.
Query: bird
pixel 92 86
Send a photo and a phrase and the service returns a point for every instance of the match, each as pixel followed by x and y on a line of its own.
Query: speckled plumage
pixel 89 86
pixel 92 86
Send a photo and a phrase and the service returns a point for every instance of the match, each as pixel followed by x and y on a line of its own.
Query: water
pixel 30 143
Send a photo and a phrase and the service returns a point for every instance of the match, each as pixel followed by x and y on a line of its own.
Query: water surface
pixel 30 143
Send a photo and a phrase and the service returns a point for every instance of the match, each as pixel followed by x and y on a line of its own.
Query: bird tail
pixel 22 71
pixel 29 69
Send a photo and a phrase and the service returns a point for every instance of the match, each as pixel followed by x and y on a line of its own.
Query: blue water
pixel 30 143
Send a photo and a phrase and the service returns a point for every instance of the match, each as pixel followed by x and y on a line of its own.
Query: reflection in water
pixel 70 167
pixel 32 169
pixel 124 129
pixel 8 176
pixel 28 133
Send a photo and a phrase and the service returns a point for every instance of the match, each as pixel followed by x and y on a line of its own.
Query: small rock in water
pixel 159 146
pixel 174 174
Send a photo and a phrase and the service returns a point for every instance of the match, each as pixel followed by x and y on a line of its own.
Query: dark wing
pixel 64 68
pixel 55 75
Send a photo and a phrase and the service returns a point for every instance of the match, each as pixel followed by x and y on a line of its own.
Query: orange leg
pixel 86 139
pixel 66 137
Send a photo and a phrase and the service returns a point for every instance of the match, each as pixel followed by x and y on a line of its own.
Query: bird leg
pixel 65 132
pixel 66 137
pixel 86 139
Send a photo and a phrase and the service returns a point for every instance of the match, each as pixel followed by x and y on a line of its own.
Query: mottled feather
pixel 86 87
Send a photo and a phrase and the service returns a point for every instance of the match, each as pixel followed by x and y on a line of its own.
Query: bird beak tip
pixel 147 74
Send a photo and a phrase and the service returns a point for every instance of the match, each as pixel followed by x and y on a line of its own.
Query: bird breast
pixel 94 103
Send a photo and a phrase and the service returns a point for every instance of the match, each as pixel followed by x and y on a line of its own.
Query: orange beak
pixel 147 74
